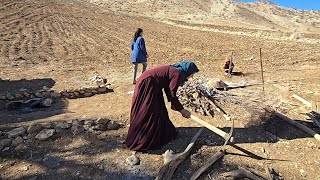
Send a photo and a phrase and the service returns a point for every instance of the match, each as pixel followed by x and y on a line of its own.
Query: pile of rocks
pixel 47 93
pixel 19 138
pixel 85 92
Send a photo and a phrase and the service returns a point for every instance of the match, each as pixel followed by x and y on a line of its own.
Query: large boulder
pixel 16 132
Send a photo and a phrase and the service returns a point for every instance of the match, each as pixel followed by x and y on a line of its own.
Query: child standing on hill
pixel 139 53
pixel 228 68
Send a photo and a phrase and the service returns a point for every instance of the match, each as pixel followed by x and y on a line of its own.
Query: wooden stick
pixel 269 175
pixel 211 127
pixel 313 106
pixel 232 174
pixel 172 161
pixel 241 172
pixel 298 125
pixel 249 174
pixel 302 100
pixel 261 66
pixel 230 64
pixel 203 168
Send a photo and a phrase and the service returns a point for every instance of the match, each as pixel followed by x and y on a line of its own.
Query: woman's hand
pixel 185 113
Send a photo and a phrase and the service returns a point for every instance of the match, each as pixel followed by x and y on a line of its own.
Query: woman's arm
pixel 173 87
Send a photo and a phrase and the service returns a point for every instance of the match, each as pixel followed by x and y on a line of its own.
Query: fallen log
pixel 298 125
pixel 172 161
pixel 203 168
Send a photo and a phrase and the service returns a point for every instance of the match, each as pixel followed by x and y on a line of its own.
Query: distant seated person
pixel 227 68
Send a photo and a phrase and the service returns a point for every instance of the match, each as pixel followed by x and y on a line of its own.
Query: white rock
pixel 6 149
pixel 89 122
pixel 133 160
pixel 16 132
pixel 103 121
pixel 45 134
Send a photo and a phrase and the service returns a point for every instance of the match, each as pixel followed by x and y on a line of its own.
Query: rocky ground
pixel 63 44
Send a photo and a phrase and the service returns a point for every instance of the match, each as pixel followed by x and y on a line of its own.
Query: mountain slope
pixel 256 15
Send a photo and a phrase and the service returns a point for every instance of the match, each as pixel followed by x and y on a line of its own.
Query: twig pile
pixel 191 96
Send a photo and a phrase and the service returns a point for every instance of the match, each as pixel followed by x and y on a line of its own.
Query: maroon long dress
pixel 150 126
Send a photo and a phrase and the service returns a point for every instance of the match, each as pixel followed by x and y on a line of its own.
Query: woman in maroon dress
pixel 150 126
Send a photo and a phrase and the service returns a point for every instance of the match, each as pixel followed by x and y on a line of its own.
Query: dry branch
pixel 269 175
pixel 172 161
pixel 203 168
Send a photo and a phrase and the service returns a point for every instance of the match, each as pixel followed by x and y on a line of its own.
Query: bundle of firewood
pixel 192 96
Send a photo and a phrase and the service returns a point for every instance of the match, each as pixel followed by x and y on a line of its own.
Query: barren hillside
pixel 256 15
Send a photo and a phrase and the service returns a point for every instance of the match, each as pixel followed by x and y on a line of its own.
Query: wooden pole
pixel 230 64
pixel 307 103
pixel 210 127
pixel 261 65
pixel 298 125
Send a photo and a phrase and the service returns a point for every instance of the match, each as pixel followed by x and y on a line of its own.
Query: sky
pixel 298 4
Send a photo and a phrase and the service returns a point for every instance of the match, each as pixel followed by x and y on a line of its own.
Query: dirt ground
pixel 61 44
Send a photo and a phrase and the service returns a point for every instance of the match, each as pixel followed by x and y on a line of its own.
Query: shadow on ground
pixel 13 87
pixel 32 85
pixel 68 156
pixel 85 156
